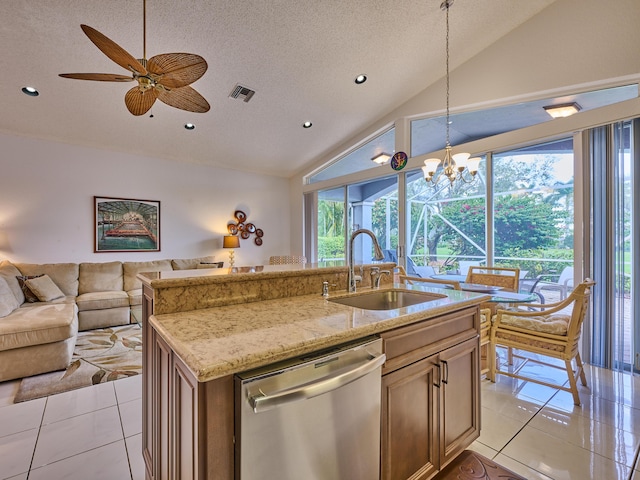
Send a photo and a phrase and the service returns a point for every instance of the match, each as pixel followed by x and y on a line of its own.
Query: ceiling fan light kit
pixel 166 77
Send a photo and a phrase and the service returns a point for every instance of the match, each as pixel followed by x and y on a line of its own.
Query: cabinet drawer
pixel 409 344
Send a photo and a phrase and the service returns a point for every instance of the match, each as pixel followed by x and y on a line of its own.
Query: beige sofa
pixel 39 336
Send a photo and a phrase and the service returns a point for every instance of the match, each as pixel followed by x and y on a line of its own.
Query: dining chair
pixel 508 279
pixel 287 259
pixel 548 331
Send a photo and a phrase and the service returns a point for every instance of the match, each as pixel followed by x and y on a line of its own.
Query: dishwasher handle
pixel 262 403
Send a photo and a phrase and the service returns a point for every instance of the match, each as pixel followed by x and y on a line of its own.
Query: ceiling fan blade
pixel 98 77
pixel 177 69
pixel 139 102
pixel 114 51
pixel 185 98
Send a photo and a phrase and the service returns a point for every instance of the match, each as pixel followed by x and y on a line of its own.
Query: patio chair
pixel 548 332
pixel 507 278
pixel 465 265
pixel 563 282
pixel 412 269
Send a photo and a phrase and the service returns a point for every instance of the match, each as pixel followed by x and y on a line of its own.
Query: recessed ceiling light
pixel 360 79
pixel 189 126
pixel 31 91
pixel 307 124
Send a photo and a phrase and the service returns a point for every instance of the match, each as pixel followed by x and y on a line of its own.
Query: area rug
pixel 470 465
pixel 100 355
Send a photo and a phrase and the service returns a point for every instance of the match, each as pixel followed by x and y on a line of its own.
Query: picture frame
pixel 126 225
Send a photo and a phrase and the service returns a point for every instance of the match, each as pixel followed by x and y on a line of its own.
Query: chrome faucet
pixel 376 274
pixel 378 255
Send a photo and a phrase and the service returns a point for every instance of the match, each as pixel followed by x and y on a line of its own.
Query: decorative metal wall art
pixel 245 229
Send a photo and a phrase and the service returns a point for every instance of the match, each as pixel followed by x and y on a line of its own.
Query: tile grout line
pixel 124 438
pixel 35 445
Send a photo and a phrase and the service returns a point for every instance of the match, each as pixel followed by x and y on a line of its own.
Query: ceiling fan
pixel 165 77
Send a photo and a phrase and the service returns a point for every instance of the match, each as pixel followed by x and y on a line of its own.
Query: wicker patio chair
pixel 507 278
pixel 547 332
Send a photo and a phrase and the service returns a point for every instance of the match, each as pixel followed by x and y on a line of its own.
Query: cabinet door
pixel 161 408
pixel 409 446
pixel 148 366
pixel 460 405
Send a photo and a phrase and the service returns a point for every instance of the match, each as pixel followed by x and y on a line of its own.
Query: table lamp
pixel 231 241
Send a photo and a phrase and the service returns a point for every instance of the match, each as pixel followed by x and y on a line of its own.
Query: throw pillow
pixel 8 301
pixel 29 296
pixel 44 288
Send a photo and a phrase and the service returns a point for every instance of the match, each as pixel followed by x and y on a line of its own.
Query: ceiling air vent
pixel 244 93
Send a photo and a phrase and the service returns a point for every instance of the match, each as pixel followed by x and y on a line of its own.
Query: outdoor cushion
pixel 8 301
pixel 102 300
pixel 556 324
pixel 37 325
pixel 44 288
pixel 100 277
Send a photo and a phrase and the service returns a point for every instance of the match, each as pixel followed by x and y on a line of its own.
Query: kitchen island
pixel 236 321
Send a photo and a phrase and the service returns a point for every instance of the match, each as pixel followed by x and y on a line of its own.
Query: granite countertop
pixel 215 342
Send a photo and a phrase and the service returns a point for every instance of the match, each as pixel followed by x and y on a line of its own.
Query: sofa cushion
pixel 64 275
pixel 8 301
pixel 29 296
pixel 102 300
pixel 9 272
pixel 100 277
pixel 210 265
pixel 135 297
pixel 132 269
pixel 38 325
pixel 44 288
pixel 190 263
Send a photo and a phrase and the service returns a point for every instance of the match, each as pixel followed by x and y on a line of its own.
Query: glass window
pixel 445 224
pixel 331 226
pixel 359 159
pixel 428 134
pixel 533 212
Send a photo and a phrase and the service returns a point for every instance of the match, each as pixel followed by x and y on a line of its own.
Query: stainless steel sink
pixel 387 299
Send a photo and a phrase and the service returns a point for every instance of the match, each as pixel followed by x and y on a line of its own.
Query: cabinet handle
pixel 437 365
pixel 446 372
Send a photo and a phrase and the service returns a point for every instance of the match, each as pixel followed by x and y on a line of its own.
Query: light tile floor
pixel 536 431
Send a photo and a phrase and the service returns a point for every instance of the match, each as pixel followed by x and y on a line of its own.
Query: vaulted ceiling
pixel 300 57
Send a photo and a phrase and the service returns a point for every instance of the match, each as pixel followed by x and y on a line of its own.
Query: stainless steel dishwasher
pixel 312 418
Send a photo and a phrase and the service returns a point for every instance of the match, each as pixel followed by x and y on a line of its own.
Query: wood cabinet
pixel 430 395
pixel 187 429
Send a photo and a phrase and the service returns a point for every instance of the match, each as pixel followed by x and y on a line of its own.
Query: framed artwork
pixel 126 225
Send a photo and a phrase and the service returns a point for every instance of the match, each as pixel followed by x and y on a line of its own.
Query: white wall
pixel 46 204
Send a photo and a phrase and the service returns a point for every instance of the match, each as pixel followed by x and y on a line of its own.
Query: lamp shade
pixel 231 241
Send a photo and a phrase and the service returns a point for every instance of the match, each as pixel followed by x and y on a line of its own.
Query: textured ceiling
pixel 299 56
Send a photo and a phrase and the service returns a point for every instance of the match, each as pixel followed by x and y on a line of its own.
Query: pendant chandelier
pixel 458 167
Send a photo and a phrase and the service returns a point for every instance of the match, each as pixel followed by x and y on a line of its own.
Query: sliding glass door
pixel 615 237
